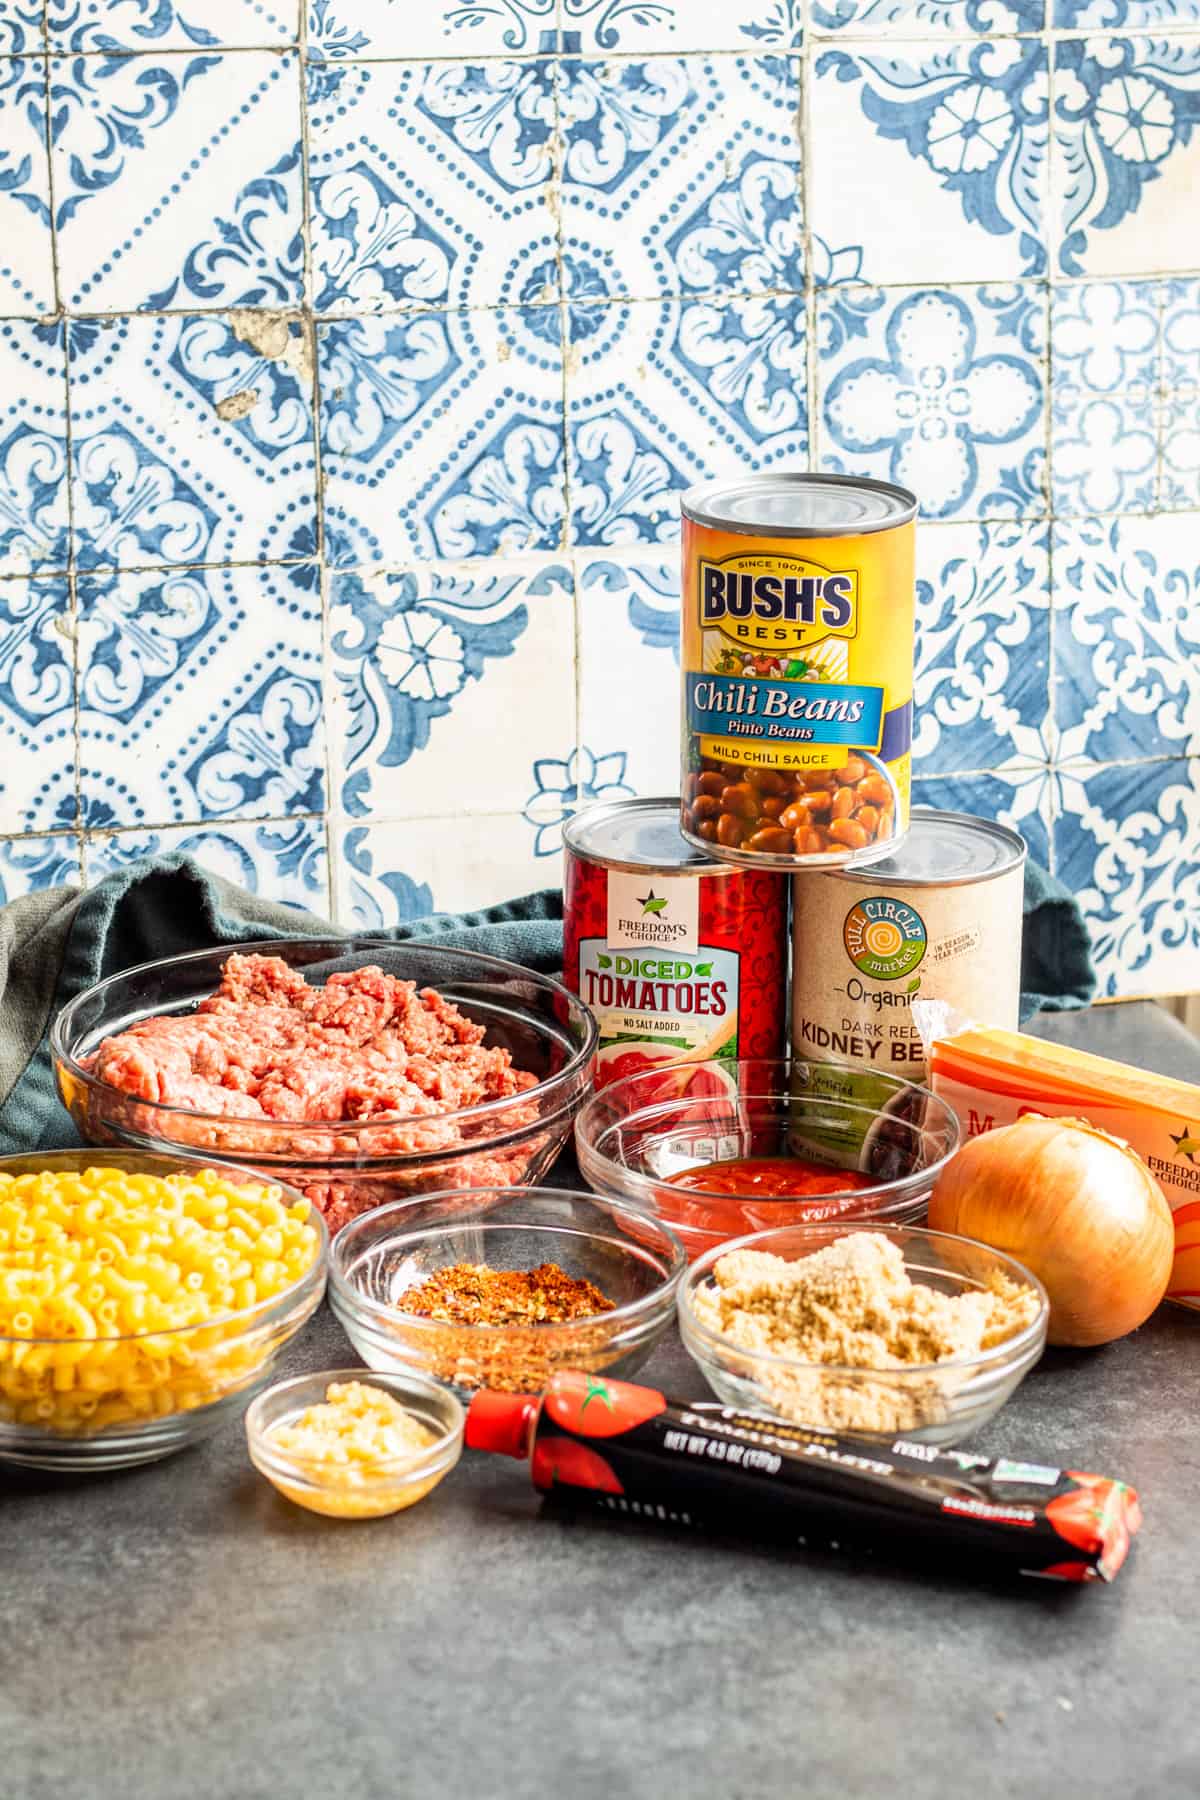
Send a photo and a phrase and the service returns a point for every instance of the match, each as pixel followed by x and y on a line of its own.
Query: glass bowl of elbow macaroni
pixel 143 1300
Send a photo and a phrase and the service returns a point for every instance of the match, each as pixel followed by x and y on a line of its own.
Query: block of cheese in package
pixel 992 1077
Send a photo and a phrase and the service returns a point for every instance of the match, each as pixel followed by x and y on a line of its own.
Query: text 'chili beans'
pixel 797 654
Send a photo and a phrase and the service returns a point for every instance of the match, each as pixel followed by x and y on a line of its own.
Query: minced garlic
pixel 349 1443
pixel 852 1305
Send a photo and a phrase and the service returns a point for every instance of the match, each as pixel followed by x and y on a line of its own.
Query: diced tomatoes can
pixel 680 958
pixel 797 663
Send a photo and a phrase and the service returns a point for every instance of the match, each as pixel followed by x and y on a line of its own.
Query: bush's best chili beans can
pixel 797 658
pixel 681 959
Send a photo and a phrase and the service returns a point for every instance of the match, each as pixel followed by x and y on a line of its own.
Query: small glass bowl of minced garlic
pixel 355 1443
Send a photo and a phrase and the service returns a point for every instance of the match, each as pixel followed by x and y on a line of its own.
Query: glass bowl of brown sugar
pixel 882 1331
pixel 499 1287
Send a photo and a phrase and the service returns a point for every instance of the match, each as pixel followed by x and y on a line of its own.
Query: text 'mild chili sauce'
pixel 770 1178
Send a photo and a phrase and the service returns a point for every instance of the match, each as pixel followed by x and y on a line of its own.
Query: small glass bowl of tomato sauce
pixel 719 1149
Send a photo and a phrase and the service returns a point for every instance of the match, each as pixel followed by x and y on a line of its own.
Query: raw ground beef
pixel 365 1047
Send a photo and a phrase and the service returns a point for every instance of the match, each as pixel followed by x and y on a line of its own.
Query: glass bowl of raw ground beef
pixel 358 1070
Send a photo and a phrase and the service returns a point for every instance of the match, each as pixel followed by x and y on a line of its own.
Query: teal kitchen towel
pixel 58 943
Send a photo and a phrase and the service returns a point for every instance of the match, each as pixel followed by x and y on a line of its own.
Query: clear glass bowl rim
pixel 248 1318
pixel 345 1128
pixel 1011 1351
pixel 632 1312
pixel 433 1459
pixel 776 1087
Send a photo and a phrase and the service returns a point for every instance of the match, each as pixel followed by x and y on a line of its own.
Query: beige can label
pixel 863 952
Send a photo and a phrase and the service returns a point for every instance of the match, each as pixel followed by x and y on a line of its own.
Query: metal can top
pixel 943 849
pixel 637 834
pixel 799 506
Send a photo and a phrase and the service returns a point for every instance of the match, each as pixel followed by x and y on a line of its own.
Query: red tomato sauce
pixel 770 1178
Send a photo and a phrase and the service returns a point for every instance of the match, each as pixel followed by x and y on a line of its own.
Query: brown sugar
pixel 852 1306
pixel 473 1294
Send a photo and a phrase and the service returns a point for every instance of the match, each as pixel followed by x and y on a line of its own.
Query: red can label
pixel 676 968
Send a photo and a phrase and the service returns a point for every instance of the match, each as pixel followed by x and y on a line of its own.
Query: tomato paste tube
pixel 630 1450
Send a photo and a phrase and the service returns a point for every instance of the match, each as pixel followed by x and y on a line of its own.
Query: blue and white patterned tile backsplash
pixel 353 355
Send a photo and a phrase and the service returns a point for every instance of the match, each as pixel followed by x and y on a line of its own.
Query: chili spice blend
pixel 474 1294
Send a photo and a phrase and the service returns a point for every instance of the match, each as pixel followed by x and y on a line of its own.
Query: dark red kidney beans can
pixel 681 959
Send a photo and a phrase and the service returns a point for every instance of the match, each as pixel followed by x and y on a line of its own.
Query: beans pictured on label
pixel 806 813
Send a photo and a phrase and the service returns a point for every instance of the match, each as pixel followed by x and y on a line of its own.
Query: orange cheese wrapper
pixel 992 1078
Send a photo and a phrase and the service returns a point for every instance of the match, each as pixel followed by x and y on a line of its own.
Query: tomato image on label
pixel 1097 1514
pixel 884 938
pixel 561 1462
pixel 596 1408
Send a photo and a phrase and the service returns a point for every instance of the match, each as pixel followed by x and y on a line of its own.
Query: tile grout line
pixel 1184 30
pixel 805 186
pixel 70 572
pixel 565 349
pixel 629 552
pixel 1080 767
pixel 324 574
pixel 617 300
pixel 1051 241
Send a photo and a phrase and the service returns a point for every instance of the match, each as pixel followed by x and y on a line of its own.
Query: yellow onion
pixel 1078 1208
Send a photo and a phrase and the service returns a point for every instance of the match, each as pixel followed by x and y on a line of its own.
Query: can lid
pixel 942 849
pixel 636 834
pixel 800 506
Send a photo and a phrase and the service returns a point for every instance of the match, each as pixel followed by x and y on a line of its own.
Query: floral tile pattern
pixel 421 175
pixel 629 660
pixel 159 738
pixel 28 864
pixel 982 684
pixel 1022 799
pixel 441 435
pixel 26 267
pixel 286 859
pixel 340 30
pixel 390 870
pixel 974 119
pixel 354 355
pixel 1125 841
pixel 21 27
pixel 177 180
pixel 967 18
pixel 37 697
pixel 1180 484
pixel 720 136
pixel 432 663
pixel 941 390
pixel 99 25
pixel 192 439
pixel 661 394
pixel 1130 15
pixel 34 501
pixel 1127 638
pixel 1126 156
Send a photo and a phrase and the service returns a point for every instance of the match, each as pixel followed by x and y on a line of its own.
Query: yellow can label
pixel 797 660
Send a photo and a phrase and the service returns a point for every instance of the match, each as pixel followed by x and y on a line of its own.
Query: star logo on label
pixel 650 903
pixel 1186 1144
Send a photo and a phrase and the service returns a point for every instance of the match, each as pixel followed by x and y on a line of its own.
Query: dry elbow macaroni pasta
pixel 116 1291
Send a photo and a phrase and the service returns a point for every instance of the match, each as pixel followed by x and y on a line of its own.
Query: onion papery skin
pixel 1078 1207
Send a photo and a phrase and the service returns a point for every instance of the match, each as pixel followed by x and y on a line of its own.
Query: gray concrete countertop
pixel 179 1631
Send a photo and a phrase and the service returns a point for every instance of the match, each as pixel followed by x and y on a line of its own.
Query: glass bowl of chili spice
pixel 717 1149
pixel 499 1287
